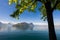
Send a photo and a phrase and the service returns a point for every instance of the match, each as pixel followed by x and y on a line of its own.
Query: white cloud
pixel 36 23
pixel 4 21
pixel 40 24
pixel 45 23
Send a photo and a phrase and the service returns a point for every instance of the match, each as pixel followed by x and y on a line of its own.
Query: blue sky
pixel 6 10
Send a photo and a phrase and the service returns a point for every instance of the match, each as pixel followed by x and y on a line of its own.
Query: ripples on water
pixel 24 35
pixel 38 33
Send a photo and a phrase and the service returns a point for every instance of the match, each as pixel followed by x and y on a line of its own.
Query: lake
pixel 35 34
pixel 26 35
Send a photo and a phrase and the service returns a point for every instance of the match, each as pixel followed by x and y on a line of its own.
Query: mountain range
pixel 18 26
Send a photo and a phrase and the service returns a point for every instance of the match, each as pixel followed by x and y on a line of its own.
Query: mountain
pixel 4 26
pixel 18 26
pixel 24 26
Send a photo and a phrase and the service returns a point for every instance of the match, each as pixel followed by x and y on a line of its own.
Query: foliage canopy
pixel 30 5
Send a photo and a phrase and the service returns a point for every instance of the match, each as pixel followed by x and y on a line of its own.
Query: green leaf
pixel 58 6
pixel 43 12
pixel 15 14
pixel 53 2
pixel 10 2
pixel 15 1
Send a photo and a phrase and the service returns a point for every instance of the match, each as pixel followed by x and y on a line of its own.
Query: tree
pixel 47 8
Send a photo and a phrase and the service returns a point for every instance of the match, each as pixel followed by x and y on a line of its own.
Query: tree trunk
pixel 52 35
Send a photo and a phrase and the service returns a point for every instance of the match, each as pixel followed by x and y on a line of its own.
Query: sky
pixel 29 17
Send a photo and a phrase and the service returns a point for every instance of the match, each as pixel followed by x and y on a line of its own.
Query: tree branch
pixel 55 5
pixel 38 0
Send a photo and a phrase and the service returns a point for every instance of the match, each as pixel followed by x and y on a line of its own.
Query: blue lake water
pixel 27 35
